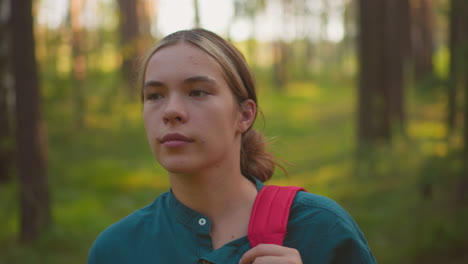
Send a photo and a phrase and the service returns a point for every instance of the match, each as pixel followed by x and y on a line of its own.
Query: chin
pixel 179 166
pixel 189 164
pixel 178 170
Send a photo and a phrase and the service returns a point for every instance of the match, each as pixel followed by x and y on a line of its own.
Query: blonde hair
pixel 255 160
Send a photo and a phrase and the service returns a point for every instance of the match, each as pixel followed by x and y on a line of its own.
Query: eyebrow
pixel 199 78
pixel 152 84
pixel 189 80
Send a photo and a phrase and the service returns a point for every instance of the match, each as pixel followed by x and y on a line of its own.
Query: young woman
pixel 199 104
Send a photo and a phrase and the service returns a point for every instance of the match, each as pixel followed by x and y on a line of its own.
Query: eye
pixel 198 93
pixel 154 96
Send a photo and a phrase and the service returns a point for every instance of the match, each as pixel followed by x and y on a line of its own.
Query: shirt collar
pixel 191 218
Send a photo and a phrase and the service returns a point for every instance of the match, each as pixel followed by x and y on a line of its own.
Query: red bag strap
pixel 270 214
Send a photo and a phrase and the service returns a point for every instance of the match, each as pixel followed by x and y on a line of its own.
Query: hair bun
pixel 255 160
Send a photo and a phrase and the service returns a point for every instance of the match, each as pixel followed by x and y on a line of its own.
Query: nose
pixel 174 111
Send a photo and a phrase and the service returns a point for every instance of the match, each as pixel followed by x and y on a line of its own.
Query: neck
pixel 225 198
pixel 216 195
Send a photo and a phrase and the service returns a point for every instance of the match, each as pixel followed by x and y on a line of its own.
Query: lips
pixel 175 140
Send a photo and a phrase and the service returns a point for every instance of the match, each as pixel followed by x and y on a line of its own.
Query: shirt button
pixel 202 221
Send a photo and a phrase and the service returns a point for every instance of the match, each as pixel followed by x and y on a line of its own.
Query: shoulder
pixel 135 220
pixel 311 204
pixel 319 224
pixel 127 231
pixel 309 208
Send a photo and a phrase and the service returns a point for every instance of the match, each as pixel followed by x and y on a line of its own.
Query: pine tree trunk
pixel 30 131
pixel 462 71
pixel 396 47
pixel 463 186
pixel 382 43
pixel 129 34
pixel 421 38
pixel 373 116
pixel 196 9
pixel 280 61
pixel 456 32
pixel 79 63
pixel 6 138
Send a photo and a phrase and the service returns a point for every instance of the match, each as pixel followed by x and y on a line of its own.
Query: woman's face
pixel 191 118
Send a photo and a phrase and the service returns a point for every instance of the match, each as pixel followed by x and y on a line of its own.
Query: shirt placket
pixel 204 239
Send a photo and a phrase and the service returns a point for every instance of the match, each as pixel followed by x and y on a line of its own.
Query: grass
pixel 105 171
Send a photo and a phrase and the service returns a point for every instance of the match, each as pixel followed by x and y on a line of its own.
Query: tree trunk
pixel 457 32
pixel 381 50
pixel 30 130
pixel 463 186
pixel 309 56
pixel 373 116
pixel 397 45
pixel 6 138
pixel 196 9
pixel 129 34
pixel 280 61
pixel 251 51
pixel 78 63
pixel 421 38
pixel 463 69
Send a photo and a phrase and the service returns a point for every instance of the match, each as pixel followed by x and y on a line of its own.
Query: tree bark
pixel 463 69
pixel 79 66
pixel 381 51
pixel 463 186
pixel 6 138
pixel 129 34
pixel 373 117
pixel 397 44
pixel 422 41
pixel 30 130
pixel 457 30
pixel 280 64
pixel 196 9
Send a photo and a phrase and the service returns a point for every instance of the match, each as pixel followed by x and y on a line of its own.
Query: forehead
pixel 181 60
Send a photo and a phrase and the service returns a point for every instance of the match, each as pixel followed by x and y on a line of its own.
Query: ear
pixel 248 110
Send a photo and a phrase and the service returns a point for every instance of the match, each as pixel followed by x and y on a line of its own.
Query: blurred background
pixel 366 100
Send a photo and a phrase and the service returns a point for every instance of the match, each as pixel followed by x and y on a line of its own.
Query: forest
pixel 366 101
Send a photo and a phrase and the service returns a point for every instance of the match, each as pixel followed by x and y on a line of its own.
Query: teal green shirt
pixel 166 231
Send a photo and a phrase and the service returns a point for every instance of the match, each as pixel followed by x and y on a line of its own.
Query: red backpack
pixel 270 214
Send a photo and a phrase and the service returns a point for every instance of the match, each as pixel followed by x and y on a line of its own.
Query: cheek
pixel 149 121
pixel 146 123
pixel 146 120
pixel 228 126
